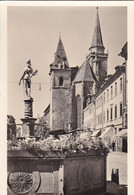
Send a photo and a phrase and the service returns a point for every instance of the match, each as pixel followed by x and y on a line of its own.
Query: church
pixel 71 87
pixel 86 98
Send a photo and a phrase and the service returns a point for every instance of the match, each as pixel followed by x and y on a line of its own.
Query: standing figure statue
pixel 26 77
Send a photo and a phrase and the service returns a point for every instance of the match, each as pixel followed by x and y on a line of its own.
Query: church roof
pixel 84 73
pixel 97 36
pixel 60 55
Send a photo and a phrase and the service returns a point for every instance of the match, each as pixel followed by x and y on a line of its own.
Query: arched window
pixel 61 81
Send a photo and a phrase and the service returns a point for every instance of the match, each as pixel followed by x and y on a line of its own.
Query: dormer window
pixel 61 81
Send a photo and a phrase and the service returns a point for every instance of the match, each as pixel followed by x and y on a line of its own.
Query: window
pixel 101 101
pixel 121 109
pixel 96 69
pixel 107 94
pixel 100 118
pixel 61 81
pixel 104 116
pixel 115 111
pixel 107 115
pixel 104 97
pixel 111 113
pixel 111 91
pixel 115 88
pixel 97 103
pixel 120 84
pixel 97 119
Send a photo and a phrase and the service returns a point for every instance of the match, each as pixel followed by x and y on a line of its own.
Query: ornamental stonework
pixel 86 174
pixel 20 182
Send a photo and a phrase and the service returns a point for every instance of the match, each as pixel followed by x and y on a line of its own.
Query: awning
pixel 122 133
pixel 109 132
pixel 95 133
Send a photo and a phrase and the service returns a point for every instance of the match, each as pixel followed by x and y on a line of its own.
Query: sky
pixel 33 33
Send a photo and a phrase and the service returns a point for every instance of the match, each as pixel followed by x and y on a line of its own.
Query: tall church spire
pixel 97 36
pixel 60 59
pixel 97 56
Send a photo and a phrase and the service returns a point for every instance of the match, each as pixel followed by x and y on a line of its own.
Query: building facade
pixel 109 107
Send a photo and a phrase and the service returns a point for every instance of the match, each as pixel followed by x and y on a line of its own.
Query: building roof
pixel 60 55
pixel 112 78
pixel 123 52
pixel 97 36
pixel 84 73
pixel 74 71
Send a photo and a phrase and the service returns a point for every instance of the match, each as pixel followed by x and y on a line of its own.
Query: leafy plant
pixel 66 144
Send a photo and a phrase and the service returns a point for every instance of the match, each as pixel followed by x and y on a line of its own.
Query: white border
pixel 3 76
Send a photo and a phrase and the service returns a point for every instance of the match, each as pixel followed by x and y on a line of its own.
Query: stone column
pixel 28 120
pixel 28 108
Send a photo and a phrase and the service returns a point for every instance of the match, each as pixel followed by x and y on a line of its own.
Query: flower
pixel 67 144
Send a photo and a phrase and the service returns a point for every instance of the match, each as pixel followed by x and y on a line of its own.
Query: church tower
pixel 60 74
pixel 97 56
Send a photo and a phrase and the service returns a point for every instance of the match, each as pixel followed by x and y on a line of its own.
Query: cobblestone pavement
pixel 117 160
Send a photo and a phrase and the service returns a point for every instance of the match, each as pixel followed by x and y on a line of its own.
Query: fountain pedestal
pixel 28 120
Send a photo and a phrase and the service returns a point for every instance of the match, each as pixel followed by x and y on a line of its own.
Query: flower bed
pixel 65 145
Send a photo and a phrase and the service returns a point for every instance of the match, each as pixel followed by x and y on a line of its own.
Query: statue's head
pixel 29 62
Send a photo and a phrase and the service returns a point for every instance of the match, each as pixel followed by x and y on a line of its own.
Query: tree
pixel 42 129
pixel 11 127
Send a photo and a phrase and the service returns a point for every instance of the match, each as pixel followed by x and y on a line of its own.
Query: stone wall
pixel 61 113
pixel 52 173
pixel 102 69
pixel 60 106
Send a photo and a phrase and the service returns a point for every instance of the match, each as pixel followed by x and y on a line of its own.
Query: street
pixel 117 160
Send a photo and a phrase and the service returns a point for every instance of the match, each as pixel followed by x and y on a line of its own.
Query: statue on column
pixel 26 77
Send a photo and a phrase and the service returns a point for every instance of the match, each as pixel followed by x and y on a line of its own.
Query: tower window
pixel 61 81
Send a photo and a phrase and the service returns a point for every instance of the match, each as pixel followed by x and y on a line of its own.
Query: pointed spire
pixel 59 35
pixel 60 55
pixel 97 36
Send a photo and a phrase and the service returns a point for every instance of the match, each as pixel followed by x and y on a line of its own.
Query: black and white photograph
pixel 67 100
